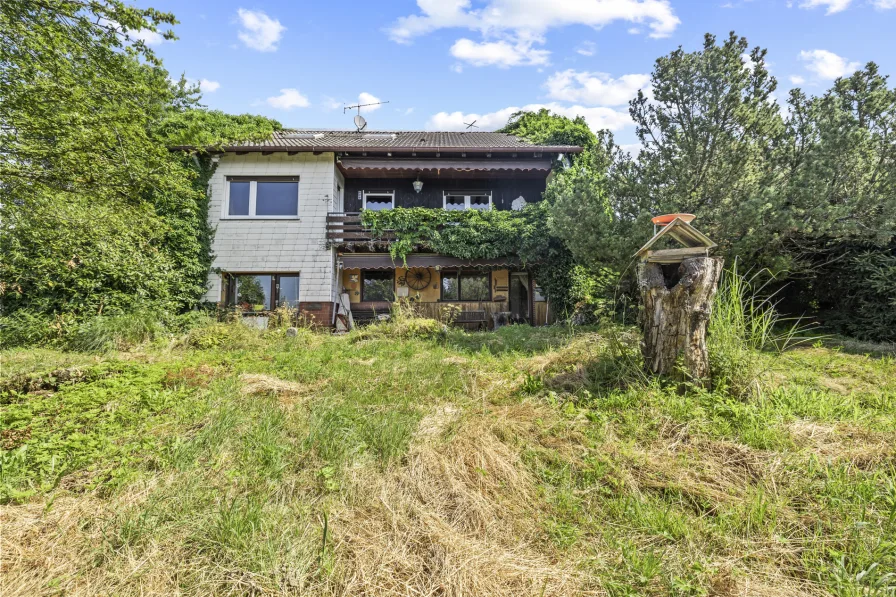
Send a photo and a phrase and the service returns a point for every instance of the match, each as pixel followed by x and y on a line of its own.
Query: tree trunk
pixel 677 303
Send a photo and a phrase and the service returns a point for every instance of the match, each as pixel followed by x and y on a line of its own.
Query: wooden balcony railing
pixel 346 228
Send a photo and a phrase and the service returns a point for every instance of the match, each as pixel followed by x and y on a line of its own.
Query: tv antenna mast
pixel 472 125
pixel 360 121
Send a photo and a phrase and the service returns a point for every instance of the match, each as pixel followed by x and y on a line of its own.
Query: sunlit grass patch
pixel 527 461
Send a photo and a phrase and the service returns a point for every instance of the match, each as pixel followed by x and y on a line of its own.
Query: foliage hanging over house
pixel 475 234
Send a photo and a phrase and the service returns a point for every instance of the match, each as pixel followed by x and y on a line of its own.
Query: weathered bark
pixel 676 314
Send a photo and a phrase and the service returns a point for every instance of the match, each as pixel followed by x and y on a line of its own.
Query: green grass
pixel 527 461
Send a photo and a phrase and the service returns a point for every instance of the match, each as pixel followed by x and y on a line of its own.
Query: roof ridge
pixel 397 131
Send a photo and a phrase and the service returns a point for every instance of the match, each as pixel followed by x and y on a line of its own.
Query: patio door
pixel 520 297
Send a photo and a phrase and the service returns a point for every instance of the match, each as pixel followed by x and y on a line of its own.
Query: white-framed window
pixel 268 197
pixel 378 200
pixel 461 200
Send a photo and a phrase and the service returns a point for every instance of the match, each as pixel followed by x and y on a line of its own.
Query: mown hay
pixel 288 393
pixel 458 519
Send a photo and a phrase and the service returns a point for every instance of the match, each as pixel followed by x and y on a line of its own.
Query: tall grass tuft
pixel 743 325
pixel 117 332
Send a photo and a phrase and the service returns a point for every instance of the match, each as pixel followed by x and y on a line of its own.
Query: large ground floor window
pixel 262 292
pixel 466 286
pixel 378 285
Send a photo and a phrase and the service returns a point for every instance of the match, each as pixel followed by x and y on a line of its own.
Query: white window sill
pixel 256 218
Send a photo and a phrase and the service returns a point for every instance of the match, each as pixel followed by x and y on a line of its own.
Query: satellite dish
pixel 360 122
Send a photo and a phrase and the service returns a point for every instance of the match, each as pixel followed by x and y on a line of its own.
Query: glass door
pixel 519 297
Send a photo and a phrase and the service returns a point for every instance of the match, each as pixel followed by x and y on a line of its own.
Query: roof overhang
pixel 380 261
pixel 405 167
pixel 395 149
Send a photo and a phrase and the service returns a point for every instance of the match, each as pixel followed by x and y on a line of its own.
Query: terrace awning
pixel 385 262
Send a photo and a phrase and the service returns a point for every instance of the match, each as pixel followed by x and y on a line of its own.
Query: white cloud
pixel 150 38
pixel 207 86
pixel 288 99
pixel 520 22
pixel 884 4
pixel 827 65
pixel 797 80
pixel 147 36
pixel 409 111
pixel 368 98
pixel 259 31
pixel 587 48
pixel 597 118
pixel 834 6
pixel 498 53
pixel 632 148
pixel 331 103
pixel 594 88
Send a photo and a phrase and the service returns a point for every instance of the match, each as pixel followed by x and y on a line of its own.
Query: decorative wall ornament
pixel 418 278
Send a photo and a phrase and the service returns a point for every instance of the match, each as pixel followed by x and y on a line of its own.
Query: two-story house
pixel 288 229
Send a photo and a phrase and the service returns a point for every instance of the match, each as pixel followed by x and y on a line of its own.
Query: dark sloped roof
pixel 322 140
pixel 429 164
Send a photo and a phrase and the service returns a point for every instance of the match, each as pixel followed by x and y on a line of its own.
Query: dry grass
pixel 288 393
pixel 460 518
pixel 59 549
pixel 845 443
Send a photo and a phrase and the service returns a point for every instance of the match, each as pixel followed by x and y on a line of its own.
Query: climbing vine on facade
pixel 485 235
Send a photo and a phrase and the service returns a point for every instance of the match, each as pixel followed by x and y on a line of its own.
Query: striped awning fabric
pixel 381 261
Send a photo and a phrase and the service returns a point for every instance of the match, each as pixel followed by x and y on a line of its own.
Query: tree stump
pixel 677 302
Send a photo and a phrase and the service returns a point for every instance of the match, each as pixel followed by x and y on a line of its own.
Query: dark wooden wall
pixel 504 190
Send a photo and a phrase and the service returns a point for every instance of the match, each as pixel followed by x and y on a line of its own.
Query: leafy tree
pixel 593 209
pixel 706 130
pixel 837 165
pixel 546 128
pixel 836 203
pixel 809 193
pixel 98 215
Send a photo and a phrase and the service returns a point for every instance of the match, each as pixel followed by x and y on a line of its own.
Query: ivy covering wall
pixel 98 216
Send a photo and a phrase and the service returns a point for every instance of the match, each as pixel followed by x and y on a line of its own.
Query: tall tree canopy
pixel 706 130
pixel 97 213
pixel 806 189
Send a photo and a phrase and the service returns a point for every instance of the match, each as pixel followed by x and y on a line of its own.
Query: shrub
pixel 183 323
pixel 404 322
pixel 224 335
pixel 27 328
pixel 418 327
pixel 118 332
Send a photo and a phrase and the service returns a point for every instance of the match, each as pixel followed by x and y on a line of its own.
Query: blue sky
pixel 440 63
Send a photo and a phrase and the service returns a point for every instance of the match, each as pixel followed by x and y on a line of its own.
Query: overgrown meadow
pixel 410 459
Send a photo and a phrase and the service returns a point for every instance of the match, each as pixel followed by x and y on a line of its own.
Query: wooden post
pixel 677 301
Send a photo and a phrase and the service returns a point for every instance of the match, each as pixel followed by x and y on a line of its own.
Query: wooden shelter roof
pixel 694 243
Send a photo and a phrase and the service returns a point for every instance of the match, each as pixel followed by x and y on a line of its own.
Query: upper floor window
pixel 378 200
pixel 262 197
pixel 460 200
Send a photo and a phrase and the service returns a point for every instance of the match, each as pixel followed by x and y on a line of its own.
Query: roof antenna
pixel 360 122
pixel 472 125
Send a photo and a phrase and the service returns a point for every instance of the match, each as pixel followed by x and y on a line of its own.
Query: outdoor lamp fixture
pixel 418 184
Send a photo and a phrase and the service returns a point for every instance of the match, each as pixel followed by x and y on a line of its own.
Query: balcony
pixel 345 229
